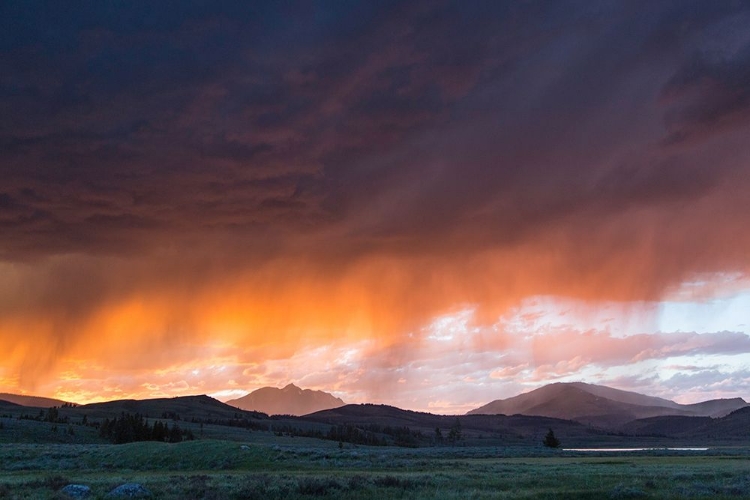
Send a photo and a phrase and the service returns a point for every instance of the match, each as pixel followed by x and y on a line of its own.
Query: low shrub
pixel 56 482
pixel 264 487
pixel 405 483
pixel 318 486
pixel 739 488
pixel 623 492
pixel 358 482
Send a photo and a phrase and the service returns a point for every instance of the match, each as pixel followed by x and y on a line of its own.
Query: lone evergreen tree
pixel 550 441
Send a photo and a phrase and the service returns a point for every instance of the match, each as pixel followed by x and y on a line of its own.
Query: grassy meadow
pixel 37 459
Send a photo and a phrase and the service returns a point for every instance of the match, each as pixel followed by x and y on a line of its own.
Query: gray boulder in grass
pixel 129 490
pixel 76 491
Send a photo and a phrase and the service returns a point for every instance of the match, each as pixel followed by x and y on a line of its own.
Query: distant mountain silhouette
pixel 8 405
pixel 34 401
pixel 362 414
pixel 291 400
pixel 601 406
pixel 731 428
pixel 394 426
pixel 184 407
pixel 670 425
pixel 716 407
pixel 734 425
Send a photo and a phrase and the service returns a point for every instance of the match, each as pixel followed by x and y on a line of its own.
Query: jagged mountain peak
pixel 289 400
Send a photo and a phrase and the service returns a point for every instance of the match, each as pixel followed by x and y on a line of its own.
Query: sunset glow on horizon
pixel 427 205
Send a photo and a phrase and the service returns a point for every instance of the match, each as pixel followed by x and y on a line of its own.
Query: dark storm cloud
pixel 562 120
pixel 710 92
pixel 433 127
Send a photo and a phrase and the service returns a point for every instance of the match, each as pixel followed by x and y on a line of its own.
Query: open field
pixel 308 468
pixel 268 457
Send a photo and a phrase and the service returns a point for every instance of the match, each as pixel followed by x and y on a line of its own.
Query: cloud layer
pixel 254 181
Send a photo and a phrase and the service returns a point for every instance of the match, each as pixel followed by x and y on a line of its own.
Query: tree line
pixel 128 428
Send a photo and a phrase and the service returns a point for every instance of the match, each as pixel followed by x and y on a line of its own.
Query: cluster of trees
pixel 128 428
pixel 237 421
pixel 355 435
pixel 340 433
pixel 245 423
pixel 455 434
pixel 288 430
pixel 374 435
pixel 404 436
pixel 371 434
pixel 52 415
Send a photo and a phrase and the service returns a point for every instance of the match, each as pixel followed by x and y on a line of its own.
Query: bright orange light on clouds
pixel 166 339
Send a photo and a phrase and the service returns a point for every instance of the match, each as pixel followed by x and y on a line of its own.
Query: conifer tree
pixel 550 441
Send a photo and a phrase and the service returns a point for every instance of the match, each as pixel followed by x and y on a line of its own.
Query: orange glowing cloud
pixel 352 189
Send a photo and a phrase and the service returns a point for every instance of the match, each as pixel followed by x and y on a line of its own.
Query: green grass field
pixel 307 468
pixel 37 459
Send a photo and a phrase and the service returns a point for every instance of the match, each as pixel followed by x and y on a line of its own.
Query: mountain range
pixel 601 406
pixel 582 415
pixel 290 400
pixel 595 406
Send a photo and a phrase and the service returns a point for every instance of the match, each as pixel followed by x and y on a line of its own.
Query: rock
pixel 76 491
pixel 129 490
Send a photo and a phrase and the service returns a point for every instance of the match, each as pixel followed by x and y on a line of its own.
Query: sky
pixel 425 204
